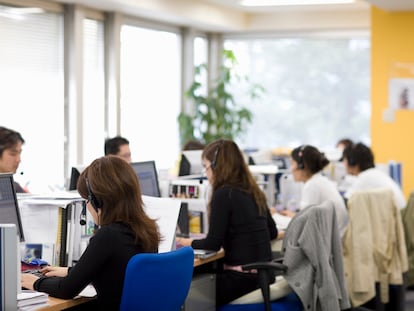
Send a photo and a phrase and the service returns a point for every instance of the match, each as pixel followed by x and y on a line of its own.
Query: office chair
pixel 312 268
pixel 156 282
pixel 407 215
pixel 375 255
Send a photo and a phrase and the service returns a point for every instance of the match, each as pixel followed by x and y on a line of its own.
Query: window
pixel 31 79
pixel 150 93
pixel 317 89
pixel 93 90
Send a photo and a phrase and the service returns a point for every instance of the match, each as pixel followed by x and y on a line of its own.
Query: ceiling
pixel 391 5
pixel 230 16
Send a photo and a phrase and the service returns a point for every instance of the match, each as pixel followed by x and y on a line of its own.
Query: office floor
pixel 409 300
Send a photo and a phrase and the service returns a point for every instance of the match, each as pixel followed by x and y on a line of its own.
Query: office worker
pixel 344 179
pixel 118 146
pixel 359 161
pixel 343 143
pixel 111 188
pixel 184 165
pixel 307 163
pixel 239 219
pixel 11 143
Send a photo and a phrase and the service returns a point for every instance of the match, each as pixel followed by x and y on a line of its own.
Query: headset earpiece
pixel 351 156
pixel 91 197
pixel 301 164
pixel 214 161
pixel 351 161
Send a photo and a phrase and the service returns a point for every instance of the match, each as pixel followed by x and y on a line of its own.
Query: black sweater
pixel 103 264
pixel 235 225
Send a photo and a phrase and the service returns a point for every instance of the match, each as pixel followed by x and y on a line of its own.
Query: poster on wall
pixel 401 93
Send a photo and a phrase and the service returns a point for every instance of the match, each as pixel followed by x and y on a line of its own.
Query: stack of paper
pixel 31 300
pixel 282 221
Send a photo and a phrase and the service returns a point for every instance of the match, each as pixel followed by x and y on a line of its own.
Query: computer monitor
pixel 183 222
pixel 9 207
pixel 9 268
pixel 74 176
pixel 148 178
pixel 190 163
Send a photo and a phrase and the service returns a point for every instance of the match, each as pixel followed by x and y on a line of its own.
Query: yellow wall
pixel 392 52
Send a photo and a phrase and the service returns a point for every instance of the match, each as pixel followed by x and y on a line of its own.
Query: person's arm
pixel 90 264
pixel 219 218
pixel 271 225
pixel 288 213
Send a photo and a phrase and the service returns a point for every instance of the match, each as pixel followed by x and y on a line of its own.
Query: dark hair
pixel 193 145
pixel 309 158
pixel 344 141
pixel 112 145
pixel 359 155
pixel 8 139
pixel 230 169
pixel 115 185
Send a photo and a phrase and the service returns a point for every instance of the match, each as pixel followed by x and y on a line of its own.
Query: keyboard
pixel 34 272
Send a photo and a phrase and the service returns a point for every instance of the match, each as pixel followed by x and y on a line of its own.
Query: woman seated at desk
pixel 307 163
pixel 240 221
pixel 111 188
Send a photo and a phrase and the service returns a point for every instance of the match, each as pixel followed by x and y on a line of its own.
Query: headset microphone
pixel 82 220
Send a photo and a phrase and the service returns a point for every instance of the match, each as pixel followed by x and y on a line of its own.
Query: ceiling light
pixel 291 2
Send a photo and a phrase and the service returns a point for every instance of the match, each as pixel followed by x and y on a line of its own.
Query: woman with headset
pixel 111 188
pixel 307 163
pixel 239 220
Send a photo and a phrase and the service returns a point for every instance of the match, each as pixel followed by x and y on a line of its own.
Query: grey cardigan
pixel 313 254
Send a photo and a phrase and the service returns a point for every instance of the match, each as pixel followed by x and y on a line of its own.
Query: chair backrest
pixel 374 245
pixel 407 215
pixel 156 282
pixel 313 256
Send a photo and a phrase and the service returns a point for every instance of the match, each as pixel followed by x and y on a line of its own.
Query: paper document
pixel 165 211
pixel 28 297
pixel 57 198
pixel 282 221
pixel 88 291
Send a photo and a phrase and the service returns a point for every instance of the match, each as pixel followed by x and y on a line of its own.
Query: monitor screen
pixel 148 178
pixel 183 223
pixel 9 207
pixel 191 163
pixel 74 176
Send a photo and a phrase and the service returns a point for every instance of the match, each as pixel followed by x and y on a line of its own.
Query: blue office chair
pixel 156 282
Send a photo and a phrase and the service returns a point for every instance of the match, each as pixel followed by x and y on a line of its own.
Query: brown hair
pixel 8 139
pixel 115 185
pixel 230 169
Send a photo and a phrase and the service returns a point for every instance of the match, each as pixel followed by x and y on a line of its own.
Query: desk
pixel 199 262
pixel 56 304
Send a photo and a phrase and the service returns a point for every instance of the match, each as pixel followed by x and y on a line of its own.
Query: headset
pixel 92 198
pixel 214 161
pixel 351 156
pixel 82 220
pixel 301 164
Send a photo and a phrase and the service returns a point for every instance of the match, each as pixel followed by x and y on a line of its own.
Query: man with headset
pixel 11 143
pixel 359 161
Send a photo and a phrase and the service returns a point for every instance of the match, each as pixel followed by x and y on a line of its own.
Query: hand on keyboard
pixel 34 272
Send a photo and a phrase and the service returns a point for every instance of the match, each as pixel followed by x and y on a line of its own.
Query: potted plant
pixel 216 114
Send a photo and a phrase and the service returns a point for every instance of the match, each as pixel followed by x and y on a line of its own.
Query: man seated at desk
pixel 114 200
